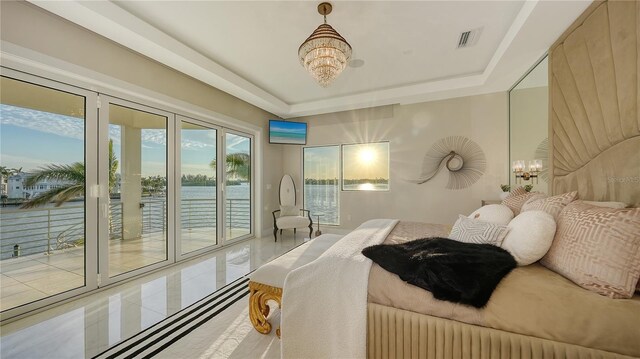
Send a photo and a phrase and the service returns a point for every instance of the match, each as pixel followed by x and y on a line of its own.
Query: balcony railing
pixel 43 230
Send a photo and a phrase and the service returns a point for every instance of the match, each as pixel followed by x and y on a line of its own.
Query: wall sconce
pixel 523 173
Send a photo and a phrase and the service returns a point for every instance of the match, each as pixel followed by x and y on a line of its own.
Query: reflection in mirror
pixel 528 129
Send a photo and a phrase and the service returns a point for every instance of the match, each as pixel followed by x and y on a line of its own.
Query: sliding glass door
pixel 47 218
pixel 198 225
pixel 133 170
pixel 238 185
pixel 97 189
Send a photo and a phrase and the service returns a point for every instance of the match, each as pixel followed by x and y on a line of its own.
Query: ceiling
pixel 409 49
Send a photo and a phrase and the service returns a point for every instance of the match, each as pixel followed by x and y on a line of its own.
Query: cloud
pixel 237 144
pixel 73 127
pixel 47 122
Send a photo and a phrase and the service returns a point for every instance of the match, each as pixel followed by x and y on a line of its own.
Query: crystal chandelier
pixel 325 53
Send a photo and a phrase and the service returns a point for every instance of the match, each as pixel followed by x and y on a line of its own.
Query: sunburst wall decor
pixel 463 158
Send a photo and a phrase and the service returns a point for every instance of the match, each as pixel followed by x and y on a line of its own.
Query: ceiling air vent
pixel 468 38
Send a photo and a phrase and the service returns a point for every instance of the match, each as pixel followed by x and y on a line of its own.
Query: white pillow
pixel 493 213
pixel 287 211
pixel 530 236
pixel 469 230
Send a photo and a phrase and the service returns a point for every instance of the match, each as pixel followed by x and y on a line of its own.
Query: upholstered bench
pixel 266 282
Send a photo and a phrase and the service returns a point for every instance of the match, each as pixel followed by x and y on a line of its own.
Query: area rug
pixel 217 326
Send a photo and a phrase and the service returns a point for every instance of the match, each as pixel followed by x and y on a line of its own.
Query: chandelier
pixel 325 53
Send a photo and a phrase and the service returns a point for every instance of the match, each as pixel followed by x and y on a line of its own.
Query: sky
pixel 368 160
pixel 30 139
pixel 322 162
pixel 360 161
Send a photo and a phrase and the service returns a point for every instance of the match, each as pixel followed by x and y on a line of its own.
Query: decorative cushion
pixel 518 191
pixel 516 201
pixel 289 211
pixel 552 205
pixel 530 236
pixel 292 222
pixel 597 248
pixel 616 205
pixel 493 213
pixel 469 230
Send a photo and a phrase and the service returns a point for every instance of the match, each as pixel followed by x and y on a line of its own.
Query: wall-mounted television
pixel 287 132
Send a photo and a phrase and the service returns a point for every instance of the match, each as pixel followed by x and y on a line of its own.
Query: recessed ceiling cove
pixel 408 50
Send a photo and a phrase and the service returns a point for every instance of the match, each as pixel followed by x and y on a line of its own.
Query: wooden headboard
pixel 594 105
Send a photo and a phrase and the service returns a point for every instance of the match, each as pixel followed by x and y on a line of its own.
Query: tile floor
pixel 29 278
pixel 89 325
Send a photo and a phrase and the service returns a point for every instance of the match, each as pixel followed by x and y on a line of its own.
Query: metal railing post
pixel 230 217
pixel 121 221
pixel 189 215
pixel 48 232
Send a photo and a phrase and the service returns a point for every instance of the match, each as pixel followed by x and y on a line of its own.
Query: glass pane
pixel 198 187
pixel 42 219
pixel 238 185
pixel 365 167
pixel 321 178
pixel 137 189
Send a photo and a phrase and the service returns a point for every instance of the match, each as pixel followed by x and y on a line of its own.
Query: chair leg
pixel 281 233
pixel 275 234
pixel 294 231
pixel 310 230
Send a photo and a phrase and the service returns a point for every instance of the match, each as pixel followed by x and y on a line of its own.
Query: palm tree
pixel 5 173
pixel 73 173
pixel 238 165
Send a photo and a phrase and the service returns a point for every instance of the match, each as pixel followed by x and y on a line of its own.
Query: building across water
pixel 16 186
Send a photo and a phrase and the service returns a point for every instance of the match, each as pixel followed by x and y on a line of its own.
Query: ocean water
pixel 323 200
pixel 30 229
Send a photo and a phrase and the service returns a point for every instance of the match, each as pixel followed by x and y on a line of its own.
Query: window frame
pixel 339 191
pixel 342 165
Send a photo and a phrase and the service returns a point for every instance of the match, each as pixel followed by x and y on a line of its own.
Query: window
pixel 365 167
pixel 321 172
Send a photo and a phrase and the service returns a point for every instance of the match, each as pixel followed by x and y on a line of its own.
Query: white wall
pixel 411 130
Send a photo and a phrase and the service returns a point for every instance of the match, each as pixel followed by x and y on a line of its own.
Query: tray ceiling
pixel 409 49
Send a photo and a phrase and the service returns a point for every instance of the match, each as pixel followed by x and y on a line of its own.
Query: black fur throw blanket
pixel 451 270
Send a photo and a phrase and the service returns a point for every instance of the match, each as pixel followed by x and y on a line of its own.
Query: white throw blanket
pixel 324 303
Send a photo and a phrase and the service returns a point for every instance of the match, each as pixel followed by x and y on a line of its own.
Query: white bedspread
pixel 324 303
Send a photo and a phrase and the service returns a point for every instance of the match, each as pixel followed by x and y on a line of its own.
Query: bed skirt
pixel 397 333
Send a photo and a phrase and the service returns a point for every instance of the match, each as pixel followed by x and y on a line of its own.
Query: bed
pixel 534 313
pixel 594 132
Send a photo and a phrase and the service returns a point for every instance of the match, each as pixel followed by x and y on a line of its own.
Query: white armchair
pixel 289 216
pixel 290 220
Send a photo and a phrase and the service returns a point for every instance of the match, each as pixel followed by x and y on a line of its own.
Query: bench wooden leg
pixel 259 294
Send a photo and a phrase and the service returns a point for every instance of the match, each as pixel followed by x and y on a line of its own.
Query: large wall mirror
pixel 528 129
